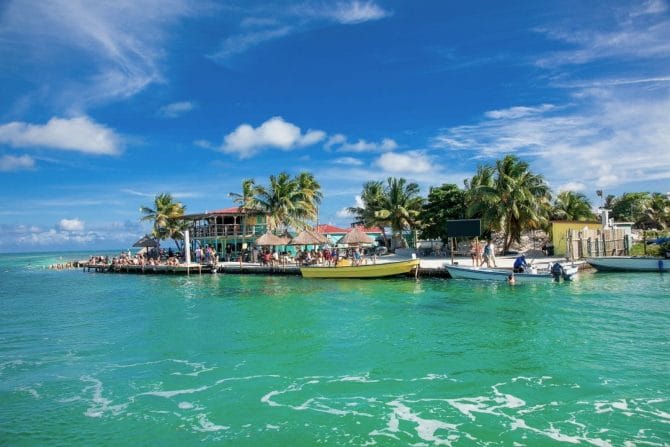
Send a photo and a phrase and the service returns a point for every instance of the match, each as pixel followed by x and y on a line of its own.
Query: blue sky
pixel 105 104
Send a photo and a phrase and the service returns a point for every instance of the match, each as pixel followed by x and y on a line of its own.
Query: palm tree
pixel 245 200
pixel 400 207
pixel 167 216
pixel 570 205
pixel 657 212
pixel 366 215
pixel 478 208
pixel 310 196
pixel 280 201
pixel 509 198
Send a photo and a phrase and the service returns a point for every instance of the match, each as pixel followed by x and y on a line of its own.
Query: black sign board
pixel 464 228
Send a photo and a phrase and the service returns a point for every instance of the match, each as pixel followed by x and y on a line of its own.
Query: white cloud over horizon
pixel 246 140
pixel 71 225
pixel 413 162
pixel 613 140
pixel 79 134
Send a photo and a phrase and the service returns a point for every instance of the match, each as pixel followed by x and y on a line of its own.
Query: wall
pixel 559 231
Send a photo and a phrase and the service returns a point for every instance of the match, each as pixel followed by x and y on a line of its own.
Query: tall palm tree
pixel 570 205
pixel 167 216
pixel 366 215
pixel 280 201
pixel 478 208
pixel 245 200
pixel 400 207
pixel 310 196
pixel 515 199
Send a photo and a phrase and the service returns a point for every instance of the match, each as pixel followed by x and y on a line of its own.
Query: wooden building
pixel 232 227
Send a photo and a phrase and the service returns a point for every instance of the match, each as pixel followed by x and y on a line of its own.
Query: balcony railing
pixel 227 230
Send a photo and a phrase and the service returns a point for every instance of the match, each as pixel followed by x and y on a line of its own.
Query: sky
pixel 103 105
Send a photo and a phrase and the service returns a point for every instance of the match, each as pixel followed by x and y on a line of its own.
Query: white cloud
pixel 641 33
pixel 341 144
pixel 613 140
pixel 351 161
pixel 9 163
pixel 518 112
pixel 176 109
pixel 572 186
pixel 242 42
pixel 75 134
pixel 246 140
pixel 71 225
pixel 354 12
pixel 413 162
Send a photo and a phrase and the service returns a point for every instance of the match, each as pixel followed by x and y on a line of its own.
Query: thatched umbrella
pixel 309 237
pixel 270 239
pixel 146 241
pixel 355 237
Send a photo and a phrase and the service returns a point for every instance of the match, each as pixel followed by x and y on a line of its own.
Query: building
pixel 226 227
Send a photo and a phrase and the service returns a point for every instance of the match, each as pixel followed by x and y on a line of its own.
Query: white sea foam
pixel 186 405
pixel 207 425
pixel 100 405
pixel 170 394
pixel 425 428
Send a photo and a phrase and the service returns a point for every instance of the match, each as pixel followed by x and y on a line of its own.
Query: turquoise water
pixel 89 359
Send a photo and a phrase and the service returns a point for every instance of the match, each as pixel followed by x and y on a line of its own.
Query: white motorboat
pixel 630 263
pixel 556 272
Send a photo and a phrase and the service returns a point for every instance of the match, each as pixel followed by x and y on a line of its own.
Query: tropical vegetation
pixel 396 204
pixel 167 217
pixel 506 196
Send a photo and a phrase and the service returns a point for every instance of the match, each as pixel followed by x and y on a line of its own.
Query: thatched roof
pixel 309 237
pixel 355 236
pixel 146 241
pixel 270 239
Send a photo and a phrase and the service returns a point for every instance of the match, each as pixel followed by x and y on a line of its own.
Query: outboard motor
pixel 557 271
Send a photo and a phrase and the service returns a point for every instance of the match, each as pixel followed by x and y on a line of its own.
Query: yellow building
pixel 559 232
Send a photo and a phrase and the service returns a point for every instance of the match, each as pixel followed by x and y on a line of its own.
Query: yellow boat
pixel 380 270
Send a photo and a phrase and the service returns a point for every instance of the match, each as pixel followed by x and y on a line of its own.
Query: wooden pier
pixel 150 269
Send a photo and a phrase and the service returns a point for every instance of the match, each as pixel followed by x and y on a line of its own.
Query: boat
pixel 630 263
pixel 379 270
pixel 566 272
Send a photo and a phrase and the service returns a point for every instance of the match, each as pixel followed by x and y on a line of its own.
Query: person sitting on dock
pixel 520 264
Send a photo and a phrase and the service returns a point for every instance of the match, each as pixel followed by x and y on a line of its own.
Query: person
pixel 357 257
pixel 229 252
pixel 489 254
pixel 473 252
pixel 510 280
pixel 520 264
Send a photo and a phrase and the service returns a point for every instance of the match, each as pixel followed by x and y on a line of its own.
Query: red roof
pixel 232 210
pixel 331 229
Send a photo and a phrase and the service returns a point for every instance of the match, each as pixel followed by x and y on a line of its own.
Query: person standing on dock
pixel 489 254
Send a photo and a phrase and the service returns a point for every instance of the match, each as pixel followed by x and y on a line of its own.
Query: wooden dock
pixel 150 269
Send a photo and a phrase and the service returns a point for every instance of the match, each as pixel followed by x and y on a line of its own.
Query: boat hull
pixel 380 270
pixel 630 264
pixel 458 272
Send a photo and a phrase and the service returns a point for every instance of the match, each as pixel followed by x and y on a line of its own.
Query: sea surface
pixel 111 359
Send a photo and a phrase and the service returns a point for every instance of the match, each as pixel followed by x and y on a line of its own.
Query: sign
pixel 464 228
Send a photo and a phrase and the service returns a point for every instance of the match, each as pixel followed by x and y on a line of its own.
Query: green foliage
pixel 288 201
pixel 570 205
pixel 508 198
pixel 444 203
pixel 167 216
pixel 395 204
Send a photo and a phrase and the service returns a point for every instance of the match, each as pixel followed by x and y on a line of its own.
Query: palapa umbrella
pixel 309 237
pixel 355 237
pixel 270 239
pixel 146 242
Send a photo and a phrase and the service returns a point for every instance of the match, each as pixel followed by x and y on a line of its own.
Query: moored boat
pixel 630 263
pixel 463 272
pixel 379 270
